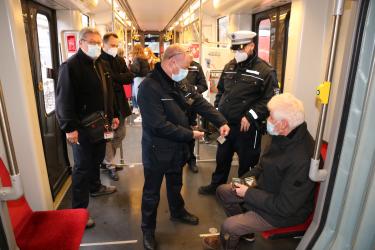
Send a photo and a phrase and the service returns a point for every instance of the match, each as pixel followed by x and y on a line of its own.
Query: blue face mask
pixel 93 51
pixel 271 129
pixel 182 73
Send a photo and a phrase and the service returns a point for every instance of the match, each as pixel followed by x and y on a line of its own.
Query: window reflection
pixel 45 52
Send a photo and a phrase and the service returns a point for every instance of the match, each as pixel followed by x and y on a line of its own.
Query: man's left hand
pixel 245 124
pixel 115 123
pixel 241 190
pixel 224 130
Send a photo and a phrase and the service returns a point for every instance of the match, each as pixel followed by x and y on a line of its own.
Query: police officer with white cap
pixel 244 89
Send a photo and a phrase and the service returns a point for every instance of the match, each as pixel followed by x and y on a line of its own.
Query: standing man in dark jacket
pixel 197 79
pixel 244 89
pixel 165 103
pixel 284 194
pixel 79 94
pixel 120 76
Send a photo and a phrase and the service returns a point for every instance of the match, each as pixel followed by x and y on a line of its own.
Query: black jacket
pixel 140 67
pixel 120 75
pixel 285 194
pixel 164 105
pixel 244 89
pixel 196 77
pixel 79 91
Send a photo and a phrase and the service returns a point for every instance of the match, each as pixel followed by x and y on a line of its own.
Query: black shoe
pixel 103 190
pixel 186 218
pixel 207 190
pixel 103 166
pixel 119 168
pixel 249 237
pixel 149 242
pixel 193 167
pixel 90 223
pixel 113 174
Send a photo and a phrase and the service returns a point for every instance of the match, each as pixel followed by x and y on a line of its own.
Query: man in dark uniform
pixel 197 79
pixel 79 94
pixel 120 75
pixel 165 103
pixel 244 89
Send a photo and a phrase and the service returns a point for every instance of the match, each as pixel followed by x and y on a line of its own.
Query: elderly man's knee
pixel 223 191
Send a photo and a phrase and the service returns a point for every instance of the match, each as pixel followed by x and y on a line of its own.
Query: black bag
pixel 97 123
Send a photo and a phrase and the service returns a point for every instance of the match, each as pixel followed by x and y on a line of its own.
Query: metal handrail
pixel 16 190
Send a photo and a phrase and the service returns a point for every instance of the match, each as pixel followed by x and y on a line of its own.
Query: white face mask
pixel 112 51
pixel 271 129
pixel 93 51
pixel 182 73
pixel 240 56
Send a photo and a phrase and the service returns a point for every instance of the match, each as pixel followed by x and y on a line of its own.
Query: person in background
pixel 79 94
pixel 197 79
pixel 140 68
pixel 120 75
pixel 151 58
pixel 244 89
pixel 283 194
pixel 165 102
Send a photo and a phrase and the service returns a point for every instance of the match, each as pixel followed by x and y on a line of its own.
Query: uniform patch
pixel 252 72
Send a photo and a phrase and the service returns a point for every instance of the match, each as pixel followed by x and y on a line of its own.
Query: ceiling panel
pixel 154 15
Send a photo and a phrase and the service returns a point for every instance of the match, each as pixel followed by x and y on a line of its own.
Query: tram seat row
pixel 58 229
pixel 300 229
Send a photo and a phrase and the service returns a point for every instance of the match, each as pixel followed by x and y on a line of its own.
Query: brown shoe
pixel 103 190
pixel 211 242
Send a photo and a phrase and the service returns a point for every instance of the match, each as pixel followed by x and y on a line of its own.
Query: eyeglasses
pixel 92 43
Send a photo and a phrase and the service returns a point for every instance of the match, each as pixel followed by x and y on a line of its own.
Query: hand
pixel 245 124
pixel 224 130
pixel 72 137
pixel 241 190
pixel 115 123
pixel 198 135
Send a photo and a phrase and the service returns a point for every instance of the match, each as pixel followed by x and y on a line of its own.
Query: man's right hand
pixel 72 137
pixel 198 135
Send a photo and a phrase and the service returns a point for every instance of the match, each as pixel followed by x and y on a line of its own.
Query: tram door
pixel 40 28
pixel 272 27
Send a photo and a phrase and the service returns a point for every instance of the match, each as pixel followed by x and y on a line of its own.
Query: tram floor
pixel 118 216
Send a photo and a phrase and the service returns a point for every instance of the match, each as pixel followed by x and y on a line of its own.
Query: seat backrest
pixel 19 210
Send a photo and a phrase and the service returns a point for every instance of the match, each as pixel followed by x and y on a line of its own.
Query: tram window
pixel 264 42
pixel 45 51
pixel 222 29
pixel 85 21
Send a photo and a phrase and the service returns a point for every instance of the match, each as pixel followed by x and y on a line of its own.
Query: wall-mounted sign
pixel 70 43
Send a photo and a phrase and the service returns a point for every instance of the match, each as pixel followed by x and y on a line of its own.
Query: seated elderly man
pixel 282 193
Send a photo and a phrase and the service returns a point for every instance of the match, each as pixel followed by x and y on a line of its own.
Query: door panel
pixel 40 28
pixel 272 27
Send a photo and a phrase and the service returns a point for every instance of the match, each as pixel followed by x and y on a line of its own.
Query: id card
pixel 108 135
pixel 221 139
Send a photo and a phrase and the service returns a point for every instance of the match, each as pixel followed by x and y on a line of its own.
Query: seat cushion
pixel 59 229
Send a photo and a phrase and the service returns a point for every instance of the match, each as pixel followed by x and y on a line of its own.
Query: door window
pixel 264 42
pixel 44 43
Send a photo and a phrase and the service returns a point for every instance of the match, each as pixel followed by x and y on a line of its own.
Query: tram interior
pixel 294 36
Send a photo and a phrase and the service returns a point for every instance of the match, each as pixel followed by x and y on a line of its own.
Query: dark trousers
pixel 154 171
pixel 239 222
pixel 86 171
pixel 192 159
pixel 247 147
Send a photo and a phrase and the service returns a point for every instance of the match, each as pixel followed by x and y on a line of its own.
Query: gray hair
pixel 287 107
pixel 88 30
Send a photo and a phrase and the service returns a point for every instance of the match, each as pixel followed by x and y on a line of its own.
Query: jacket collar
pixel 84 58
pixel 104 55
pixel 165 81
pixel 295 135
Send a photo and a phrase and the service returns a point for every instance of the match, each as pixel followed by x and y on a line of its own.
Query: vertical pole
pixel 315 173
pixel 113 17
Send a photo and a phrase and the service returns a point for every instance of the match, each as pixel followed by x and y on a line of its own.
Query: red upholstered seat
pixel 60 229
pixel 300 229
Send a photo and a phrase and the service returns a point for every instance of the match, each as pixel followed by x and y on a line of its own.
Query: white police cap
pixel 241 37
